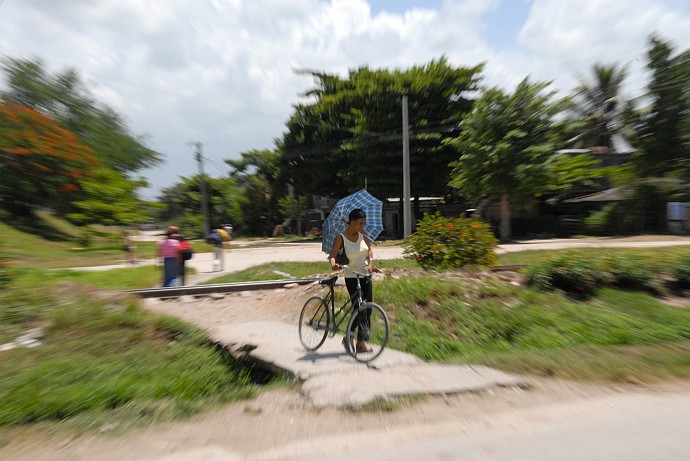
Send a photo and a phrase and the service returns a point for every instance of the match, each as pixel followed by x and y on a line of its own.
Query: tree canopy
pixel 504 146
pixel 351 134
pixel 665 145
pixel 41 162
pixel 64 97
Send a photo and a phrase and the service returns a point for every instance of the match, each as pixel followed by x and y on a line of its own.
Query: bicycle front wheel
pixel 313 323
pixel 371 325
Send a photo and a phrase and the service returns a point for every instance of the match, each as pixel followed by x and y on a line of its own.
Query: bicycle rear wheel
pixel 313 323
pixel 376 332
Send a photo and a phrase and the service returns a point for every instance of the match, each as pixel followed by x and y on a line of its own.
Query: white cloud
pixel 222 71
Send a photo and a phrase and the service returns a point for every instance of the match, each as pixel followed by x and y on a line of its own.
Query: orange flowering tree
pixel 41 163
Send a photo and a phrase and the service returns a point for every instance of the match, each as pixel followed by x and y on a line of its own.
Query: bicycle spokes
pixel 313 323
pixel 369 330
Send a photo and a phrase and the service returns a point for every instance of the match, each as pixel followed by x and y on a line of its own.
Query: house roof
pixel 619 145
pixel 609 195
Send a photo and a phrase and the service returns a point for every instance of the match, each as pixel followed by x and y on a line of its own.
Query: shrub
pixel 628 271
pixel 682 272
pixel 447 243
pixel 569 271
pixel 601 222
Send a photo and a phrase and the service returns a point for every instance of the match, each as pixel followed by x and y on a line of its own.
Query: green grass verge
pixel 103 353
pixel 465 317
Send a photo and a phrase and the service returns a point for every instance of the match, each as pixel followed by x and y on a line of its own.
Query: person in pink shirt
pixel 168 249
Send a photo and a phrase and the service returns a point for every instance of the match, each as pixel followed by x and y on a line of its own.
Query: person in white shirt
pixel 358 250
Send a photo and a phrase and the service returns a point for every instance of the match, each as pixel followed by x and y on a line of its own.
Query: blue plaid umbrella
pixel 336 222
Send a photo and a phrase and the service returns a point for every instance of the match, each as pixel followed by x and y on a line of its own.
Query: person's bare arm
pixel 337 245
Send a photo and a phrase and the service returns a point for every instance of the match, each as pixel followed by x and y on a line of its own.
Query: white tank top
pixel 357 253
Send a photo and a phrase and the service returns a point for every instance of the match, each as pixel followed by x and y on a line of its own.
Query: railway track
pixel 202 290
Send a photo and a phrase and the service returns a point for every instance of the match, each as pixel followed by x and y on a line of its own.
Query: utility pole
pixel 202 187
pixel 407 215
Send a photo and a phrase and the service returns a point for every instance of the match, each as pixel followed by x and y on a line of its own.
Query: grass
pixel 656 255
pixel 63 249
pixel 466 317
pixel 287 270
pixel 104 354
pixel 617 335
pixel 105 360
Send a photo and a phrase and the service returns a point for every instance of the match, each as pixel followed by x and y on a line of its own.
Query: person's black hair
pixel 356 214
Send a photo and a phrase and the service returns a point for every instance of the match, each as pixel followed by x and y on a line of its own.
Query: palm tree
pixel 596 103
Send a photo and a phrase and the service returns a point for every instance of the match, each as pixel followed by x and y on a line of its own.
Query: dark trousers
pixel 364 318
pixel 180 271
pixel 169 272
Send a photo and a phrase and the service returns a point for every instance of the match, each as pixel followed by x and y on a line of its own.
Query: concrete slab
pixel 276 345
pixel 357 387
pixel 331 378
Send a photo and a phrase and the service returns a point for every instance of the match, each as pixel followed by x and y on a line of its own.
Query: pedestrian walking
pixel 168 250
pixel 215 239
pixel 128 247
pixel 183 255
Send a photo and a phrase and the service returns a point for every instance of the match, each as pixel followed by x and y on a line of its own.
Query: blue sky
pixel 221 72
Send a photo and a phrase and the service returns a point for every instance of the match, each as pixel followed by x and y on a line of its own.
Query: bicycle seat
pixel 329 281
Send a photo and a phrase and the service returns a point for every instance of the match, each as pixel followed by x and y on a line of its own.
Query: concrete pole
pixel 407 215
pixel 202 187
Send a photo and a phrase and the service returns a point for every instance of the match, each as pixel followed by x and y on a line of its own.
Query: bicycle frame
pixel 346 309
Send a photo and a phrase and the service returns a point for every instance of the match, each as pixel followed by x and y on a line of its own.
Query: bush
pixel 570 272
pixel 447 243
pixel 682 272
pixel 600 222
pixel 628 271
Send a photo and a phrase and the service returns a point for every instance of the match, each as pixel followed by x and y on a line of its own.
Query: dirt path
pixel 280 424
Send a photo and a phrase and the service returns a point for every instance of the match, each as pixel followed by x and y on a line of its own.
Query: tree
pixel 66 100
pixel 294 208
pixel 257 174
pixel 661 135
pixel 351 136
pixel 110 200
pixel 504 146
pixel 182 204
pixel 597 104
pixel 41 162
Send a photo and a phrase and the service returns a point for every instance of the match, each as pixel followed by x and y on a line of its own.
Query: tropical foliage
pixel 448 243
pixel 41 162
pixel 350 137
pixel 504 146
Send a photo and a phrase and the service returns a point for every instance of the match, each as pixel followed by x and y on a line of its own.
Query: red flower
pixel 420 257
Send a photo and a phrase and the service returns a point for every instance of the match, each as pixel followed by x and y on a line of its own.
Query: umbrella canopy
pixel 336 222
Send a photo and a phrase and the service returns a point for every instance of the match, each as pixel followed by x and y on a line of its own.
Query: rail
pixel 201 290
pixel 197 290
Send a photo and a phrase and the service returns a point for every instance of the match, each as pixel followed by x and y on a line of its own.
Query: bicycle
pixel 319 318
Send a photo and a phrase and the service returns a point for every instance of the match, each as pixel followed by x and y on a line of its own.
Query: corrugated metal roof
pixel 610 195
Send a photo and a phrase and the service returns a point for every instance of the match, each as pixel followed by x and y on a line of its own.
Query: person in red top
pixel 183 255
pixel 168 249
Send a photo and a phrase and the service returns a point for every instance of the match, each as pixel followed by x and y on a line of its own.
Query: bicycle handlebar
pixel 358 274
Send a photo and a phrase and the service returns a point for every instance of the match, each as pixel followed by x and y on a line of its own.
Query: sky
pixel 223 72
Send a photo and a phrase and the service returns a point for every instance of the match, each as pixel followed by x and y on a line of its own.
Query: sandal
pixel 363 347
